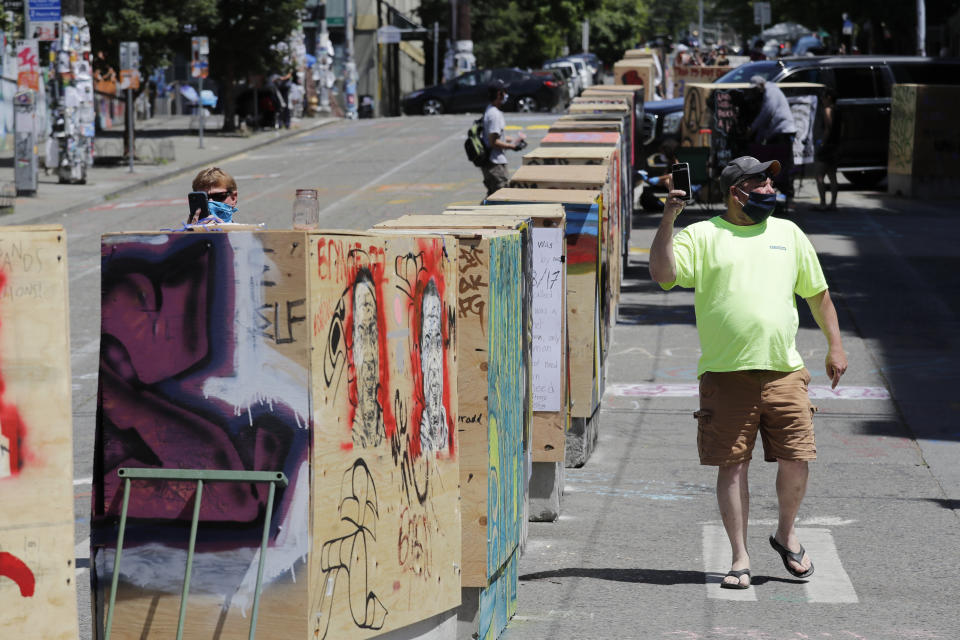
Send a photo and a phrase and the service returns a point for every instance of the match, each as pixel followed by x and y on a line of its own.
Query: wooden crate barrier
pixel 329 356
pixel 491 413
pixel 609 181
pixel 568 156
pixel 584 310
pixel 924 142
pixel 634 97
pixel 580 138
pixel 548 354
pixel 636 71
pixel 38 596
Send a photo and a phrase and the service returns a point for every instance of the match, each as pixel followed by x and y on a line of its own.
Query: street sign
pixel 761 13
pixel 200 57
pixel 336 13
pixel 43 19
pixel 388 34
pixel 129 65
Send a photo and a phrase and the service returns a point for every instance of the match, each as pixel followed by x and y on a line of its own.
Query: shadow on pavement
pixel 946 503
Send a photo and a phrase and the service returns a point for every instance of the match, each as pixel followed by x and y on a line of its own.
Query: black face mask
pixel 759 206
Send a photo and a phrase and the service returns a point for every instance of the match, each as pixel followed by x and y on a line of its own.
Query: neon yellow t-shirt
pixel 744 280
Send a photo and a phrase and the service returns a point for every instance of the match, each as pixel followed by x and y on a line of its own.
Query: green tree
pixel 157 25
pixel 618 25
pixel 242 34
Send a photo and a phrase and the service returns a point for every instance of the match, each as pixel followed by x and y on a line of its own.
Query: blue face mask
pixel 759 206
pixel 222 210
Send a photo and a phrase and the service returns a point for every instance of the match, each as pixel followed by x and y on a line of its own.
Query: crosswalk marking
pixel 830 583
pixel 716 563
pixel 681 390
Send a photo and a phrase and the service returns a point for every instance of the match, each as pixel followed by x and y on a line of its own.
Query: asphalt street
pixel 639 551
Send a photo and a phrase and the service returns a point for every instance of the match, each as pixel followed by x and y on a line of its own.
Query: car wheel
pixel 432 107
pixel 865 179
pixel 527 104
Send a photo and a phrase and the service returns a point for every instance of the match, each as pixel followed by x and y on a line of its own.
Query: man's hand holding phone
pixel 676 201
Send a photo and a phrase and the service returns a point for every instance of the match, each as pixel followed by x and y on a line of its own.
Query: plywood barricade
pixel 548 353
pixel 623 176
pixel 635 99
pixel 569 156
pixel 580 138
pixel 616 211
pixel 491 413
pixel 636 71
pixel 330 356
pixel 687 74
pixel 585 309
pixel 37 589
pixel 924 142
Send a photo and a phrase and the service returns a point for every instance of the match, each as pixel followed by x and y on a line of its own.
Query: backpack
pixel 474 145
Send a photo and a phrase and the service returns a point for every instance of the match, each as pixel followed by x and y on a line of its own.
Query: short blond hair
pixel 212 177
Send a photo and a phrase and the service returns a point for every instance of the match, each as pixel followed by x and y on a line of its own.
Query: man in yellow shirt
pixel 746 270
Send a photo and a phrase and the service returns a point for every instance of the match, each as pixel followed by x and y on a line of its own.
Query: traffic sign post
pixel 761 14
pixel 130 80
pixel 200 69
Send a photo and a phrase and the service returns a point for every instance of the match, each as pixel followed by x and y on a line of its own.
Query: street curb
pixel 147 181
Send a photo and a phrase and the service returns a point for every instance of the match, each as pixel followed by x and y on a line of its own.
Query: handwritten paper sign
pixel 548 310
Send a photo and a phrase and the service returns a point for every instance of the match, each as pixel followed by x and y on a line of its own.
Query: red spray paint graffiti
pixel 12 452
pixel 14 568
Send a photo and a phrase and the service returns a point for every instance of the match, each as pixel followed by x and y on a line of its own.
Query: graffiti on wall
pixel 506 401
pixel 203 365
pixel 385 323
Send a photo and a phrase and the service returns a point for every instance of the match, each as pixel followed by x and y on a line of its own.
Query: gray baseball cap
pixel 744 167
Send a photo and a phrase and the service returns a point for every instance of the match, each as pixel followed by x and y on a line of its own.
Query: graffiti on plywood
pixel 203 365
pixel 383 316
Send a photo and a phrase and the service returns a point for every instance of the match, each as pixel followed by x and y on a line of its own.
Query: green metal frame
pixel 199 476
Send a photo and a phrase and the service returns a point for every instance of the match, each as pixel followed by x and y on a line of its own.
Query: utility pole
pixel 921 28
pixel 350 68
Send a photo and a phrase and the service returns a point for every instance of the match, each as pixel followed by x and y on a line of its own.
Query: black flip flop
pixel 735 574
pixel 786 555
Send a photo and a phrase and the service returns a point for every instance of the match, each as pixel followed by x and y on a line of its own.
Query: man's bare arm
pixel 663 265
pixel 825 314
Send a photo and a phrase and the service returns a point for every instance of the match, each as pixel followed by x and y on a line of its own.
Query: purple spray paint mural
pixel 203 365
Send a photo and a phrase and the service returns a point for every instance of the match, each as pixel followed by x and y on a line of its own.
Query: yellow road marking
pixel 398 201
pixel 639 250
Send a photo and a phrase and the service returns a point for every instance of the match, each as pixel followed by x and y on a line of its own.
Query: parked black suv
pixel 863 85
pixel 468 93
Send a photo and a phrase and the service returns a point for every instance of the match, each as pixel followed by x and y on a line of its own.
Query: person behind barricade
pixel 827 152
pixel 495 173
pixel 222 196
pixel 774 126
pixel 746 269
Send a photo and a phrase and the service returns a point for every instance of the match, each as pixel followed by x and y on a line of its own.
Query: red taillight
pixel 550 83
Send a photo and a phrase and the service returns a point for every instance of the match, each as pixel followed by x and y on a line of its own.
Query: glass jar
pixel 306 210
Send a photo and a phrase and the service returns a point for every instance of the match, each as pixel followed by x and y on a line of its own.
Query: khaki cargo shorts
pixel 735 405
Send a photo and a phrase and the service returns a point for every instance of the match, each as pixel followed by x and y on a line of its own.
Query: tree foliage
pixel 242 34
pixel 157 25
pixel 618 25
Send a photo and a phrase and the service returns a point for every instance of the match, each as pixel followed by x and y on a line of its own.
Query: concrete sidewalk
pixel 108 182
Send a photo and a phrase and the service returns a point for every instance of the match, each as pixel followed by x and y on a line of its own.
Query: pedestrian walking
pixel 774 127
pixel 746 268
pixel 222 196
pixel 495 173
pixel 827 153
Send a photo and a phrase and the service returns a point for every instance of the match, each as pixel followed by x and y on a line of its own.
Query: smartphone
pixel 681 179
pixel 197 200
